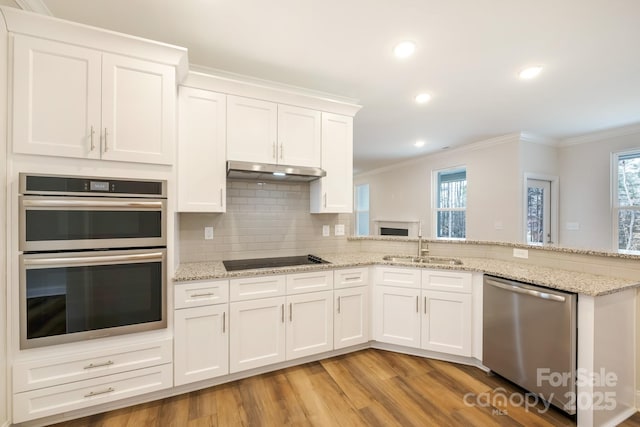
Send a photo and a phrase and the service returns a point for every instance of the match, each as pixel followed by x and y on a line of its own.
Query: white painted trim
pixel 36 6
pixel 537 139
pixel 601 135
pixel 620 418
pixel 637 399
pixel 555 217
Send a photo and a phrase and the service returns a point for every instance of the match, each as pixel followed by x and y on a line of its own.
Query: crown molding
pixel 537 139
pixel 601 135
pixel 36 6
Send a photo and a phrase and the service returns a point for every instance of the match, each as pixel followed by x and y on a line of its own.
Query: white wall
pixel 585 189
pixel 403 192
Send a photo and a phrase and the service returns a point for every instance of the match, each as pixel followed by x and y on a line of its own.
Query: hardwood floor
pixel 366 388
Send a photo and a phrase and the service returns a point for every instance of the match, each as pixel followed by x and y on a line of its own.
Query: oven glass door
pixel 69 223
pixel 74 296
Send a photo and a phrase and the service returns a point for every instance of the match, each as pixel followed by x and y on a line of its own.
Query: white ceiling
pixel 468 55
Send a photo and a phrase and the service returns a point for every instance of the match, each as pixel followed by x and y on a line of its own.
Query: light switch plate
pixel 520 253
pixel 326 231
pixel 339 230
pixel 573 226
pixel 208 233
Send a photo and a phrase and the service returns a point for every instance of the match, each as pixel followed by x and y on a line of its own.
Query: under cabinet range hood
pixel 270 172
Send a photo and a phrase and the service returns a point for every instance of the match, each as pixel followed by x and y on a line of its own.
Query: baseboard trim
pixel 638 400
pixel 627 413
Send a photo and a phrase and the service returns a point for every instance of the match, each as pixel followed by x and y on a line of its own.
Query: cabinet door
pixel 334 192
pixel 299 140
pixel 257 334
pixel 56 98
pixel 351 317
pixel 446 325
pixel 201 343
pixel 202 177
pixel 138 110
pixel 310 324
pixel 396 317
pixel 251 130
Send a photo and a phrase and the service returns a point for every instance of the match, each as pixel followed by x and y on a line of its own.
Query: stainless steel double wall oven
pixel 93 261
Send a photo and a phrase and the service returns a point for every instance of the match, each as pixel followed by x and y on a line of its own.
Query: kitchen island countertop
pixel 565 280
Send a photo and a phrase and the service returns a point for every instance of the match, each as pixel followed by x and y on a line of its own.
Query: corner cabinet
pixel 201 150
pixel 72 101
pixel 266 132
pixel 334 192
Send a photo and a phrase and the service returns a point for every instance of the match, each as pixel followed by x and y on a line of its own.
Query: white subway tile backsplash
pixel 262 220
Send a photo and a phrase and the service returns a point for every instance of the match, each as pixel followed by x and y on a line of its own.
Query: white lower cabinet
pixel 351 325
pixel 446 322
pixel 397 316
pixel 310 324
pixel 257 333
pixel 44 387
pixel 201 343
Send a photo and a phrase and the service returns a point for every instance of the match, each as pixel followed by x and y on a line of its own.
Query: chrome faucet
pixel 422 251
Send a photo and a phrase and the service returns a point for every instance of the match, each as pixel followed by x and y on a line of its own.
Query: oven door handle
pixel 91 260
pixel 91 204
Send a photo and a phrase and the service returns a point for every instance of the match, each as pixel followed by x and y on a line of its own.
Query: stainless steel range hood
pixel 269 172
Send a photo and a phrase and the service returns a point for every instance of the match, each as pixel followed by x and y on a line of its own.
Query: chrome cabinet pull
pixel 96 393
pixel 273 151
pixel 417 304
pixel 425 305
pixel 93 146
pixel 106 145
pixel 92 260
pixel 224 321
pixel 325 200
pixel 339 298
pixel 208 294
pixel 352 278
pixel 290 312
pixel 281 151
pixel 98 365
pixel 221 198
pixel 282 312
pixel 38 203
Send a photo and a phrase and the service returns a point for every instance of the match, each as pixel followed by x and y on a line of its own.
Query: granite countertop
pixel 565 280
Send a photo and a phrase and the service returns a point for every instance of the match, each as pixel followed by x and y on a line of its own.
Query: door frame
pixel 554 199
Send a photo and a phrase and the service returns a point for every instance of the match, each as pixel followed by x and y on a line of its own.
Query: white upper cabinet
pixel 71 101
pixel 265 132
pixel 201 151
pixel 334 192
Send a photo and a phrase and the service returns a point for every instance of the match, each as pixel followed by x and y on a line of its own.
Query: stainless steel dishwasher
pixel 530 337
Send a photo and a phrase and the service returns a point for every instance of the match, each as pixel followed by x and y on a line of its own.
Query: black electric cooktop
pixel 286 261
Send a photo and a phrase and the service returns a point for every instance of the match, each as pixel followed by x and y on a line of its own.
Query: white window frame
pixel 615 207
pixel 356 211
pixel 555 188
pixel 434 202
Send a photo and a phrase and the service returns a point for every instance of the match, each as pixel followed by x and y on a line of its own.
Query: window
pixel 540 209
pixel 626 209
pixel 451 203
pixel 362 210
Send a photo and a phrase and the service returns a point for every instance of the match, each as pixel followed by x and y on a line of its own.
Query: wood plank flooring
pixel 365 388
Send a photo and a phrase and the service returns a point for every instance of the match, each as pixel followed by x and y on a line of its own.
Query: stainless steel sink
pixel 422 259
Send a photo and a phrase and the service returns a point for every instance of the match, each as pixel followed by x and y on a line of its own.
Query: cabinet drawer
pixel 256 287
pixel 442 280
pixel 197 294
pixel 53 371
pixel 309 282
pixel 350 277
pixel 77 395
pixel 403 277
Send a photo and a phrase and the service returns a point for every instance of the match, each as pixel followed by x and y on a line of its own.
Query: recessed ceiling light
pixel 404 49
pixel 530 73
pixel 423 98
pixel 419 144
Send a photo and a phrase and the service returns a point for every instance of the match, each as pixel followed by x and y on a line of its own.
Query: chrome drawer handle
pixel 208 294
pixel 352 278
pixel 99 365
pixel 97 393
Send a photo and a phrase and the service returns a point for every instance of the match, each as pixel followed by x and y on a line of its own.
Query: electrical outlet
pixel 208 233
pixel 326 231
pixel 339 230
pixel 520 253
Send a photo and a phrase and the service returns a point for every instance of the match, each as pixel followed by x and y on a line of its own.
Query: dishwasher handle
pixel 531 292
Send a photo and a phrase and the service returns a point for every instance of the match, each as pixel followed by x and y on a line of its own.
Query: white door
pixel 334 192
pixel 257 333
pixel 201 151
pixel 299 141
pixel 538 213
pixel 138 110
pixel 351 325
pixel 446 325
pixel 201 343
pixel 309 324
pixel 396 316
pixel 56 98
pixel 252 127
